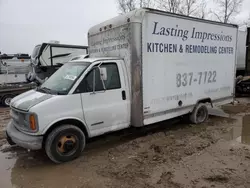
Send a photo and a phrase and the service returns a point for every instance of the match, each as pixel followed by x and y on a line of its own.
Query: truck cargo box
pixel 174 61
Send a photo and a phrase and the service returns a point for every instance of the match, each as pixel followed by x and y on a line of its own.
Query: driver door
pixel 105 101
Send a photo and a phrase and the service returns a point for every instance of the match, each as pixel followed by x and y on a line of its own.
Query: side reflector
pixel 32 122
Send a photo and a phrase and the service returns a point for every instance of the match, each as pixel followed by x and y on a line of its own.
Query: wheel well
pixel 206 100
pixel 74 122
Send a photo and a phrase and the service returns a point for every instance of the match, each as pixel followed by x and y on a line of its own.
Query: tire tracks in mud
pixel 138 159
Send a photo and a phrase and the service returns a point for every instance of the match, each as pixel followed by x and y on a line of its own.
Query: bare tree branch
pixel 203 9
pixel 189 7
pixel 126 5
pixel 147 3
pixel 173 6
pixel 129 5
pixel 218 16
pixel 227 9
pixel 196 8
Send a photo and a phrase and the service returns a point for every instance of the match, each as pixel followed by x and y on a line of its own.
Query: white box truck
pixel 145 66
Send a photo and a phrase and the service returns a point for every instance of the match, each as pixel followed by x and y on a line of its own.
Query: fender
pixel 51 125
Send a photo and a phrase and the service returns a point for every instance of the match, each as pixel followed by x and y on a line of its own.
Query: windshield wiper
pixel 60 55
pixel 45 90
pixel 50 91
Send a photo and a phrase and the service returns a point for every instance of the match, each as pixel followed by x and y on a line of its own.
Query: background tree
pixel 227 9
pixel 126 5
pixel 189 7
pixel 147 3
pixel 129 5
pixel 173 6
pixel 202 13
pixel 223 10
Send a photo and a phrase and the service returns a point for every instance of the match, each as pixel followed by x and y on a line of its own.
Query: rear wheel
pixel 199 114
pixel 65 143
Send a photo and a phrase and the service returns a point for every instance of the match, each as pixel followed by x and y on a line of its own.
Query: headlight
pixel 26 121
pixel 31 122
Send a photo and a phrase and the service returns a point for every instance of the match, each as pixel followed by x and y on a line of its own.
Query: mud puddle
pixel 7 162
pixel 21 169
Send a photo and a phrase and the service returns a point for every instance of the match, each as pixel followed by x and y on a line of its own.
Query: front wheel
pixel 65 143
pixel 199 114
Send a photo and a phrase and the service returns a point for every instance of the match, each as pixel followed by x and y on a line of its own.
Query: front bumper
pixel 23 140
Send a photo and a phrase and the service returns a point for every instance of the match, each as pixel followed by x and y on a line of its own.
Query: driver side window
pixel 93 81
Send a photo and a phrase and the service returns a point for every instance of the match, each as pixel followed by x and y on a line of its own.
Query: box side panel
pixel 185 61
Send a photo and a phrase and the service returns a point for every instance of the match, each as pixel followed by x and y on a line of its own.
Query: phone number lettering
pixel 187 79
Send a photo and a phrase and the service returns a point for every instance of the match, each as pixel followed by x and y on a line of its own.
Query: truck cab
pixel 92 94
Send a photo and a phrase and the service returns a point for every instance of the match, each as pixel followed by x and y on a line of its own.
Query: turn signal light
pixel 32 122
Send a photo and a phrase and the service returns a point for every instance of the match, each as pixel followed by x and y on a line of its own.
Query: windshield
pixel 64 78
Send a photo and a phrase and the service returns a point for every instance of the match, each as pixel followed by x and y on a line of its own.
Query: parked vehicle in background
pixel 144 67
pixel 46 58
pixel 13 72
pixel 14 68
pixel 21 72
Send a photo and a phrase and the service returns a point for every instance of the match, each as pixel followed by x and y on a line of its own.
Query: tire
pixel 59 143
pixel 9 140
pixel 6 100
pixel 199 114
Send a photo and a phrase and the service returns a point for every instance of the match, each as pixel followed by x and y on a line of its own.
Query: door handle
pixel 123 95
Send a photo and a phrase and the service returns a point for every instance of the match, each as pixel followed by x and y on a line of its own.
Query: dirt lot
pixel 213 154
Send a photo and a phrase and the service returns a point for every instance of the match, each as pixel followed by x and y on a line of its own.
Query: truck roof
pixel 92 60
pixel 137 16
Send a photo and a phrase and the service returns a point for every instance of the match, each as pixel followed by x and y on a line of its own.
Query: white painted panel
pixel 113 42
pixel 172 72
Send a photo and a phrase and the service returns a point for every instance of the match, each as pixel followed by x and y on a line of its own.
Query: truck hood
pixel 29 99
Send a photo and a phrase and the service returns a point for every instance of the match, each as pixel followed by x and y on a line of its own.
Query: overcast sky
pixel 25 23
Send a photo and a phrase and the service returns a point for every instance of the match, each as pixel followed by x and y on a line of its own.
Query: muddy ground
pixel 170 154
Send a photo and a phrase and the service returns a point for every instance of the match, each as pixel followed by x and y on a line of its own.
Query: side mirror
pixel 103 73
